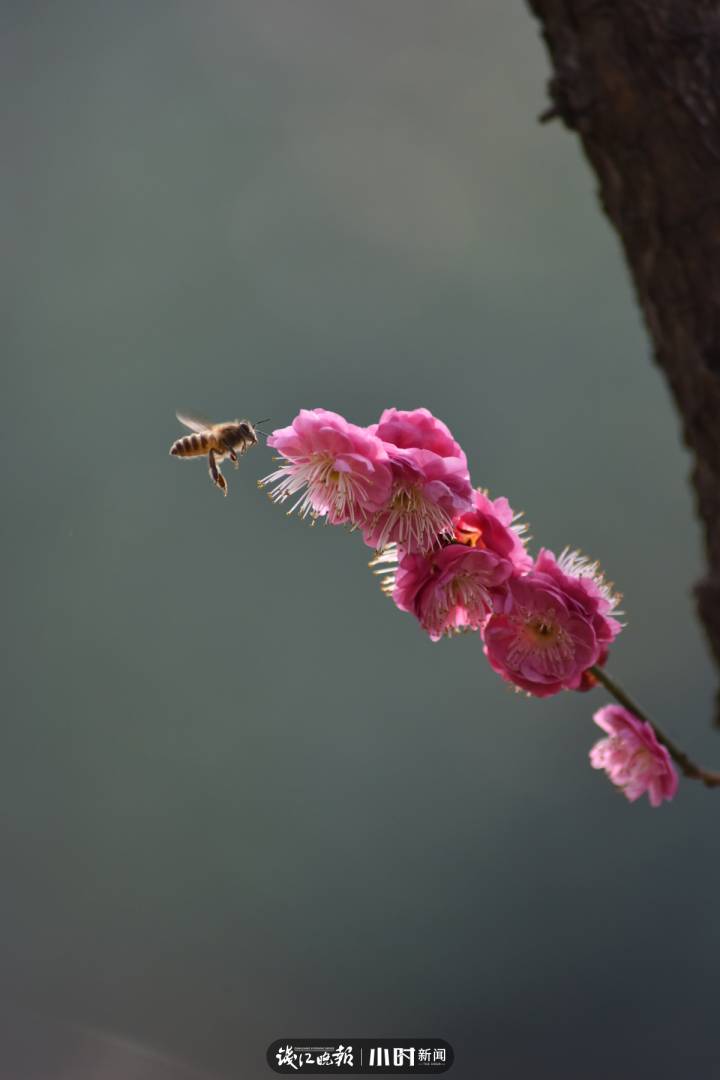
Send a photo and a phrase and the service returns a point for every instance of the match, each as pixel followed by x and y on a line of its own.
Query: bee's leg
pixel 215 475
pixel 234 458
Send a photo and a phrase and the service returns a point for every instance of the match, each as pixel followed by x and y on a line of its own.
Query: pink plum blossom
pixel 551 625
pixel 452 587
pixel 491 524
pixel 632 757
pixel 537 640
pixel 417 429
pixel 336 468
pixel 430 482
pixel 584 582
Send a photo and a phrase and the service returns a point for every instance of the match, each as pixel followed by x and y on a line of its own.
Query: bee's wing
pixel 194 422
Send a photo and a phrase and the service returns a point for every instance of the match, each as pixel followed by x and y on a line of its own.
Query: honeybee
pixel 218 441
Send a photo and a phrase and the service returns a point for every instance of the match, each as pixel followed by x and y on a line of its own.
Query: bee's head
pixel 244 432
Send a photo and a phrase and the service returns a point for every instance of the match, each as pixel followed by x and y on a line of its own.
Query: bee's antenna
pixel 258 429
pixel 262 421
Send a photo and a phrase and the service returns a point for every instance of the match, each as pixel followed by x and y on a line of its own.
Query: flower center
pixel 542 631
pixel 331 476
pixel 412 520
pixel 542 639
pixel 470 535
pixel 406 501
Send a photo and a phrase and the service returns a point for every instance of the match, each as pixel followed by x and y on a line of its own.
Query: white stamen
pixel 323 489
pixel 412 521
pixel 575 564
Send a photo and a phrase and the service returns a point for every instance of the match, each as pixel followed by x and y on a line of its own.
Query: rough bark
pixel 639 81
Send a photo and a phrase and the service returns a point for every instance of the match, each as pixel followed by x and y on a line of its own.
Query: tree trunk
pixel 639 81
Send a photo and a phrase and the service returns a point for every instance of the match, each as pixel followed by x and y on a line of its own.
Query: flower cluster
pixel 457 585
pixel 403 480
pixel 456 560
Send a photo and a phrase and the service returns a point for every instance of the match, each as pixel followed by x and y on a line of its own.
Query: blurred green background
pixel 242 797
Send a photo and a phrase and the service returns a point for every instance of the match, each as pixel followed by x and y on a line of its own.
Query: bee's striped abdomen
pixel 192 445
